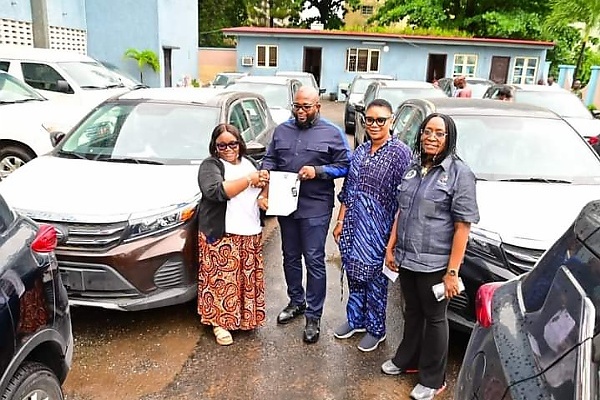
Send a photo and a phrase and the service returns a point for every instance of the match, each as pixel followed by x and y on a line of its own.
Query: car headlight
pixel 145 225
pixel 485 244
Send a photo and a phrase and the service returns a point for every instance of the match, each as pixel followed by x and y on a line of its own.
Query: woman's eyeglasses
pixel 380 121
pixel 231 145
pixel 305 107
pixel 437 134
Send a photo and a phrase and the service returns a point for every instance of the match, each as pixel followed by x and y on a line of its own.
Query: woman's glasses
pixel 305 107
pixel 437 134
pixel 232 145
pixel 380 121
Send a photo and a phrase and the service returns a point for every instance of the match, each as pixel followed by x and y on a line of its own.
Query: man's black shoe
pixel 290 312
pixel 312 330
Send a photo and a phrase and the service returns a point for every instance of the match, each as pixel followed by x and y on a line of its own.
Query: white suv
pixel 61 74
pixel 27 122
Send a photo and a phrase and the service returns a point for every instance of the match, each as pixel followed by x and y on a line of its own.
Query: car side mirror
pixel 345 92
pixel 321 90
pixel 596 113
pixel 359 107
pixel 62 86
pixel 56 137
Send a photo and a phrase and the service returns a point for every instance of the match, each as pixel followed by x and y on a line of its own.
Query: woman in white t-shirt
pixel 231 292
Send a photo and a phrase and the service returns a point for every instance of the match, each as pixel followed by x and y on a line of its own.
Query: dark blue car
pixel 36 343
pixel 537 335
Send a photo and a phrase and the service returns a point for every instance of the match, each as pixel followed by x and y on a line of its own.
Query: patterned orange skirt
pixel 231 286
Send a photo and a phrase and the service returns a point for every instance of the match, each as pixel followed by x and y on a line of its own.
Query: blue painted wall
pixel 178 27
pixel 117 25
pixel 17 10
pixel 403 60
pixel 68 13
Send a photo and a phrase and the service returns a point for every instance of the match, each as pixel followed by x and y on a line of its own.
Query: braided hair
pixel 451 137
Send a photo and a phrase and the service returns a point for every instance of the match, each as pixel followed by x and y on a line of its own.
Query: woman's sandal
pixel 223 336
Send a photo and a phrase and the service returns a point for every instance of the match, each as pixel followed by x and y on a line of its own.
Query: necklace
pixel 424 170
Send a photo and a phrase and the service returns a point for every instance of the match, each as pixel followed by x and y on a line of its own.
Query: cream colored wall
pixel 355 18
pixel 211 61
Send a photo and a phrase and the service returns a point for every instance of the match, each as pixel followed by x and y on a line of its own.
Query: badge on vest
pixel 411 174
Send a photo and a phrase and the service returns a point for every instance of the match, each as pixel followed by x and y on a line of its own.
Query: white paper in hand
pixel 284 188
pixel 392 275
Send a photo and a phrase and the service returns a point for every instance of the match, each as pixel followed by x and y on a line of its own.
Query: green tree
pixel 266 12
pixel 583 12
pixel 144 58
pixel 214 15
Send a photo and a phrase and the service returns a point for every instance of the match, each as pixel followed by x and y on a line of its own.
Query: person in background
pixel 364 222
pixel 540 82
pixel 231 292
pixel 551 80
pixel 437 206
pixel 504 94
pixel 318 152
pixel 462 89
pixel 576 89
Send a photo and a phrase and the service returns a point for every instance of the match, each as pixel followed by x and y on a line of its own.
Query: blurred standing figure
pixel 576 90
pixel 505 94
pixel 550 80
pixel 462 89
pixel 231 292
pixel 368 206
pixel 318 152
pixel 436 207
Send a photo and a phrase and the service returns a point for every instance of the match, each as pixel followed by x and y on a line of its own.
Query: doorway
pixel 436 67
pixel 167 53
pixel 312 62
pixel 499 69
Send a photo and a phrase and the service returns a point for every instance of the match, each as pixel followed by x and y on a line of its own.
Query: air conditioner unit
pixel 247 61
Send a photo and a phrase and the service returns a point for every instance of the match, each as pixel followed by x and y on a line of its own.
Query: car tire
pixel 33 380
pixel 13 157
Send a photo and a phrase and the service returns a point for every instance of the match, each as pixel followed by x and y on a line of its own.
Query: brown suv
pixel 123 192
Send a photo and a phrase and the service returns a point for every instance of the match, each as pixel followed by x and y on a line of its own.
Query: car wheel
pixel 11 158
pixel 33 381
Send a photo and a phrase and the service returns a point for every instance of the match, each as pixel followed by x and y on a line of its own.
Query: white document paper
pixel 392 275
pixel 284 188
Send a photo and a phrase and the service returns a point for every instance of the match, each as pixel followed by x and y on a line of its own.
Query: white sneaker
pixel 421 392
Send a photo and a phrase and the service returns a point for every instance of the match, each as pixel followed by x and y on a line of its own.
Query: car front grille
pixel 84 236
pixel 521 258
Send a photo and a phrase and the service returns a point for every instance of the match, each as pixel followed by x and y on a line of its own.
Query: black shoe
pixel 312 330
pixel 290 312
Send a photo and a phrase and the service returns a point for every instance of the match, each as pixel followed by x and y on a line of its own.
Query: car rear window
pixel 580 259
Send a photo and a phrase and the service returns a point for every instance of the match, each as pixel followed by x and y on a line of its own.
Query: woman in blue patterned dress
pixel 368 206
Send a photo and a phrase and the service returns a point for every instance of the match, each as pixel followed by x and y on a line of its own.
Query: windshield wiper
pixel 132 160
pixel 115 85
pixel 544 180
pixel 70 154
pixel 19 101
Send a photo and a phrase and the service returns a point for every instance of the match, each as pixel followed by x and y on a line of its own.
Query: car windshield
pixel 396 95
pixel 305 80
pixel 13 90
pixel 221 80
pixel 91 75
pixel 275 95
pixel 523 148
pixel 360 85
pixel 478 88
pixel 160 132
pixel 564 104
pixel 127 79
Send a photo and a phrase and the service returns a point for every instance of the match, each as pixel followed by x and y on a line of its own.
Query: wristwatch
pixel 452 272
